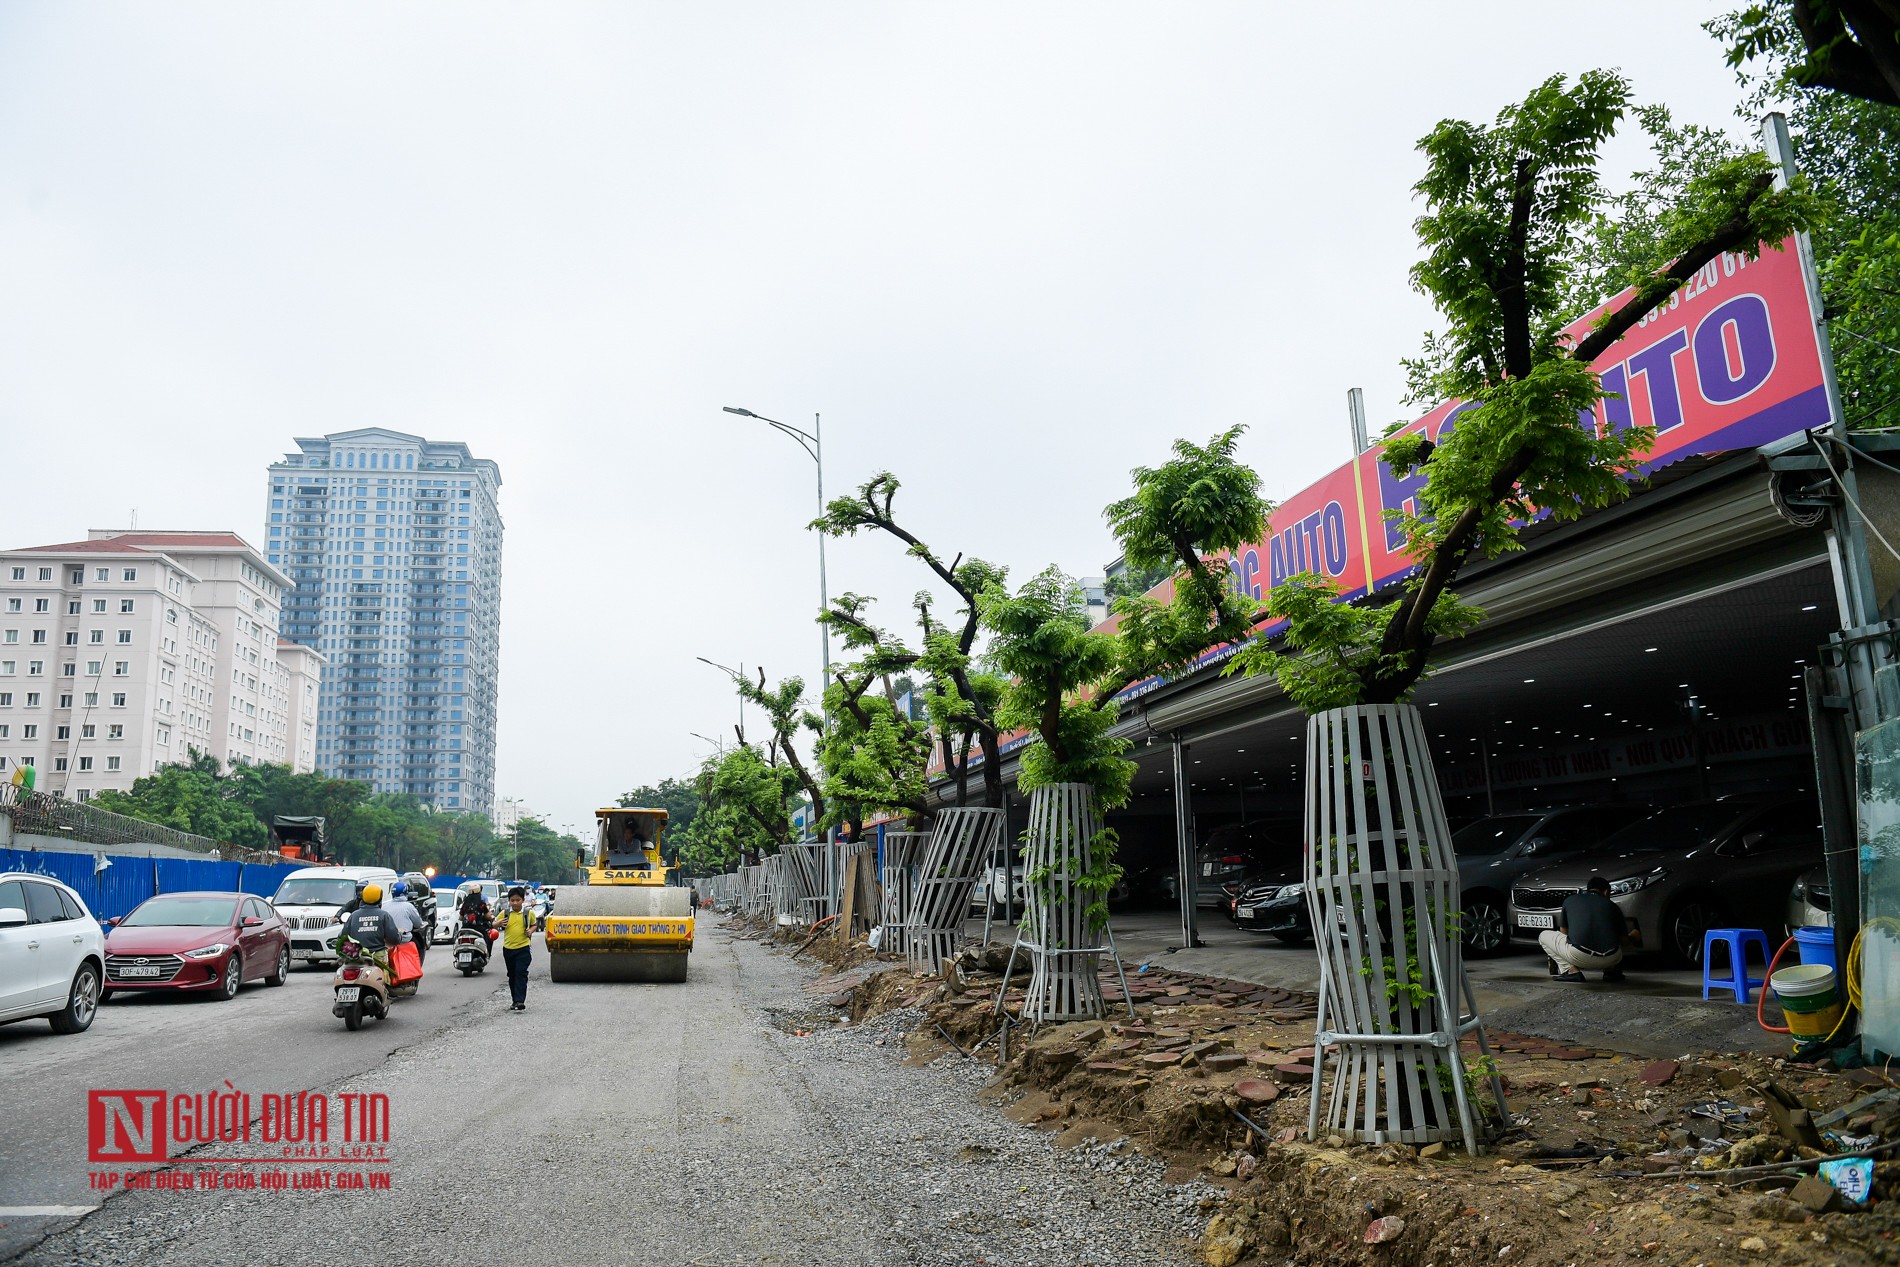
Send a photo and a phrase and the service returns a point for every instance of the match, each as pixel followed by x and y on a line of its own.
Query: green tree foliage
pixel 192 797
pixel 1506 207
pixel 236 806
pixel 960 699
pixel 873 754
pixel 678 797
pixel 536 852
pixel 1041 644
pixel 786 714
pixel 1182 518
pixel 1851 47
pixel 743 815
pixel 1848 146
pixel 1133 582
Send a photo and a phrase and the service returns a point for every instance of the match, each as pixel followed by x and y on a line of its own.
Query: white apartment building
pixel 303 667
pixel 123 652
pixel 393 543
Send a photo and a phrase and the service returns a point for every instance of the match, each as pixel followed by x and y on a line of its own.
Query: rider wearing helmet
pixel 369 925
pixel 408 919
pixel 343 911
pixel 473 907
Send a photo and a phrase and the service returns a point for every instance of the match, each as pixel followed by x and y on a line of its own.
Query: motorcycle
pixel 361 987
pixel 471 950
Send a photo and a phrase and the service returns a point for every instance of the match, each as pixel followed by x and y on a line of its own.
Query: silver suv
pixel 1687 869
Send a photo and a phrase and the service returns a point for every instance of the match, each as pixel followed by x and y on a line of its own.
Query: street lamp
pixel 737 675
pixel 514 831
pixel 718 746
pixel 813 444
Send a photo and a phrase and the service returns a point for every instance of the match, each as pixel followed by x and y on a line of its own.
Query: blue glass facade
pixel 393 544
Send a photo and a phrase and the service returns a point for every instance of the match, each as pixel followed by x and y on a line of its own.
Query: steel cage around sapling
pixel 1382 890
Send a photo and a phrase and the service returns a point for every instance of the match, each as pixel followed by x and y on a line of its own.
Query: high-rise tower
pixel 393 544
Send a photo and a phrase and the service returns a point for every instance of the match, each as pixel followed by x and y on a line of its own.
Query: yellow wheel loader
pixel 622 922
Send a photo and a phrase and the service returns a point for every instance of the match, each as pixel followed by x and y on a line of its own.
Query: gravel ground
pixel 682 1124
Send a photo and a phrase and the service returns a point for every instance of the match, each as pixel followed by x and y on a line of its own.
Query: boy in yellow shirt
pixel 517 935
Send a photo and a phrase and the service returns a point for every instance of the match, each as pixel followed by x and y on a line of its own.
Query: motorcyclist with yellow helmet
pixel 369 925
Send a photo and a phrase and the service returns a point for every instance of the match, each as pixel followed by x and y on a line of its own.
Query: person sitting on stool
pixel 630 843
pixel 1590 934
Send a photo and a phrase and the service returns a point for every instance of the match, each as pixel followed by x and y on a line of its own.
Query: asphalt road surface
pixel 275 1040
pixel 605 1124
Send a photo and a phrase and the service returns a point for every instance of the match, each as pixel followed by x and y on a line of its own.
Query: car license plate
pixel 145 970
pixel 1245 912
pixel 1536 921
pixel 1207 868
pixel 348 993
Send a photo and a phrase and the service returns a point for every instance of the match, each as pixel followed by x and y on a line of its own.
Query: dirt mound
pixel 1608 1158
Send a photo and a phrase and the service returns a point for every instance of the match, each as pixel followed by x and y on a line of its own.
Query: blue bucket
pixel 1816 946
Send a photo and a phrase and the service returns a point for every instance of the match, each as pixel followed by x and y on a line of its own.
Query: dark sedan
pixel 1275 904
pixel 199 943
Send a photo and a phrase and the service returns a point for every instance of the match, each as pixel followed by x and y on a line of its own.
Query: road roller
pixel 623 921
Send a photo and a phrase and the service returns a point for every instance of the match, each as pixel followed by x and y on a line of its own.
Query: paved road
pixel 266 1039
pixel 1658 1011
pixel 606 1124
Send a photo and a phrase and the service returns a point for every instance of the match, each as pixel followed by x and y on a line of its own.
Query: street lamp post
pixel 737 675
pixel 813 443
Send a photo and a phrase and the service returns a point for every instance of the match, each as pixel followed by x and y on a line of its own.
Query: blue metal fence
pixel 129 880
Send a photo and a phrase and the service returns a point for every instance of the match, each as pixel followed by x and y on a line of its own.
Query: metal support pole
pixel 1188 885
pixel 1859 603
pixel 1853 567
pixel 1831 731
pixel 1356 412
pixel 1484 755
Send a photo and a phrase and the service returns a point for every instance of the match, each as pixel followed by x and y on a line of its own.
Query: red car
pixel 199 942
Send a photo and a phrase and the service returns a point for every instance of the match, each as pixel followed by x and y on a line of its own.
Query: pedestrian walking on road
pixel 517 935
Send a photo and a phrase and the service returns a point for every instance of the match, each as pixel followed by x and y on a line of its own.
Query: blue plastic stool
pixel 1738 940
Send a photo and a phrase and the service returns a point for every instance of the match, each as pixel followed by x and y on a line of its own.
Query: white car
pixel 52 953
pixel 988 891
pixel 446 917
pixel 309 899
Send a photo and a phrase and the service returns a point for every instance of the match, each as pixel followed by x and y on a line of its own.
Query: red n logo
pixel 125 1126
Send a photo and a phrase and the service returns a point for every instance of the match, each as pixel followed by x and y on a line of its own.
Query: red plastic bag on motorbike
pixel 407 962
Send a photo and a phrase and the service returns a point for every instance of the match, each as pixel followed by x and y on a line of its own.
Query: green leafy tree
pixel 678 797
pixel 463 844
pixel 1182 518
pixel 545 855
pixel 1845 46
pixel 873 754
pixel 1041 644
pixel 1848 146
pixel 744 811
pixel 789 720
pixel 237 806
pixel 1132 582
pixel 1506 205
pixel 960 699
pixel 191 796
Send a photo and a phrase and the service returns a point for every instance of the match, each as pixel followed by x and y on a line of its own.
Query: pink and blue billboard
pixel 1729 361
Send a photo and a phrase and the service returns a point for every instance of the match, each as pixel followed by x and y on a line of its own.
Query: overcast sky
pixel 1007 250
